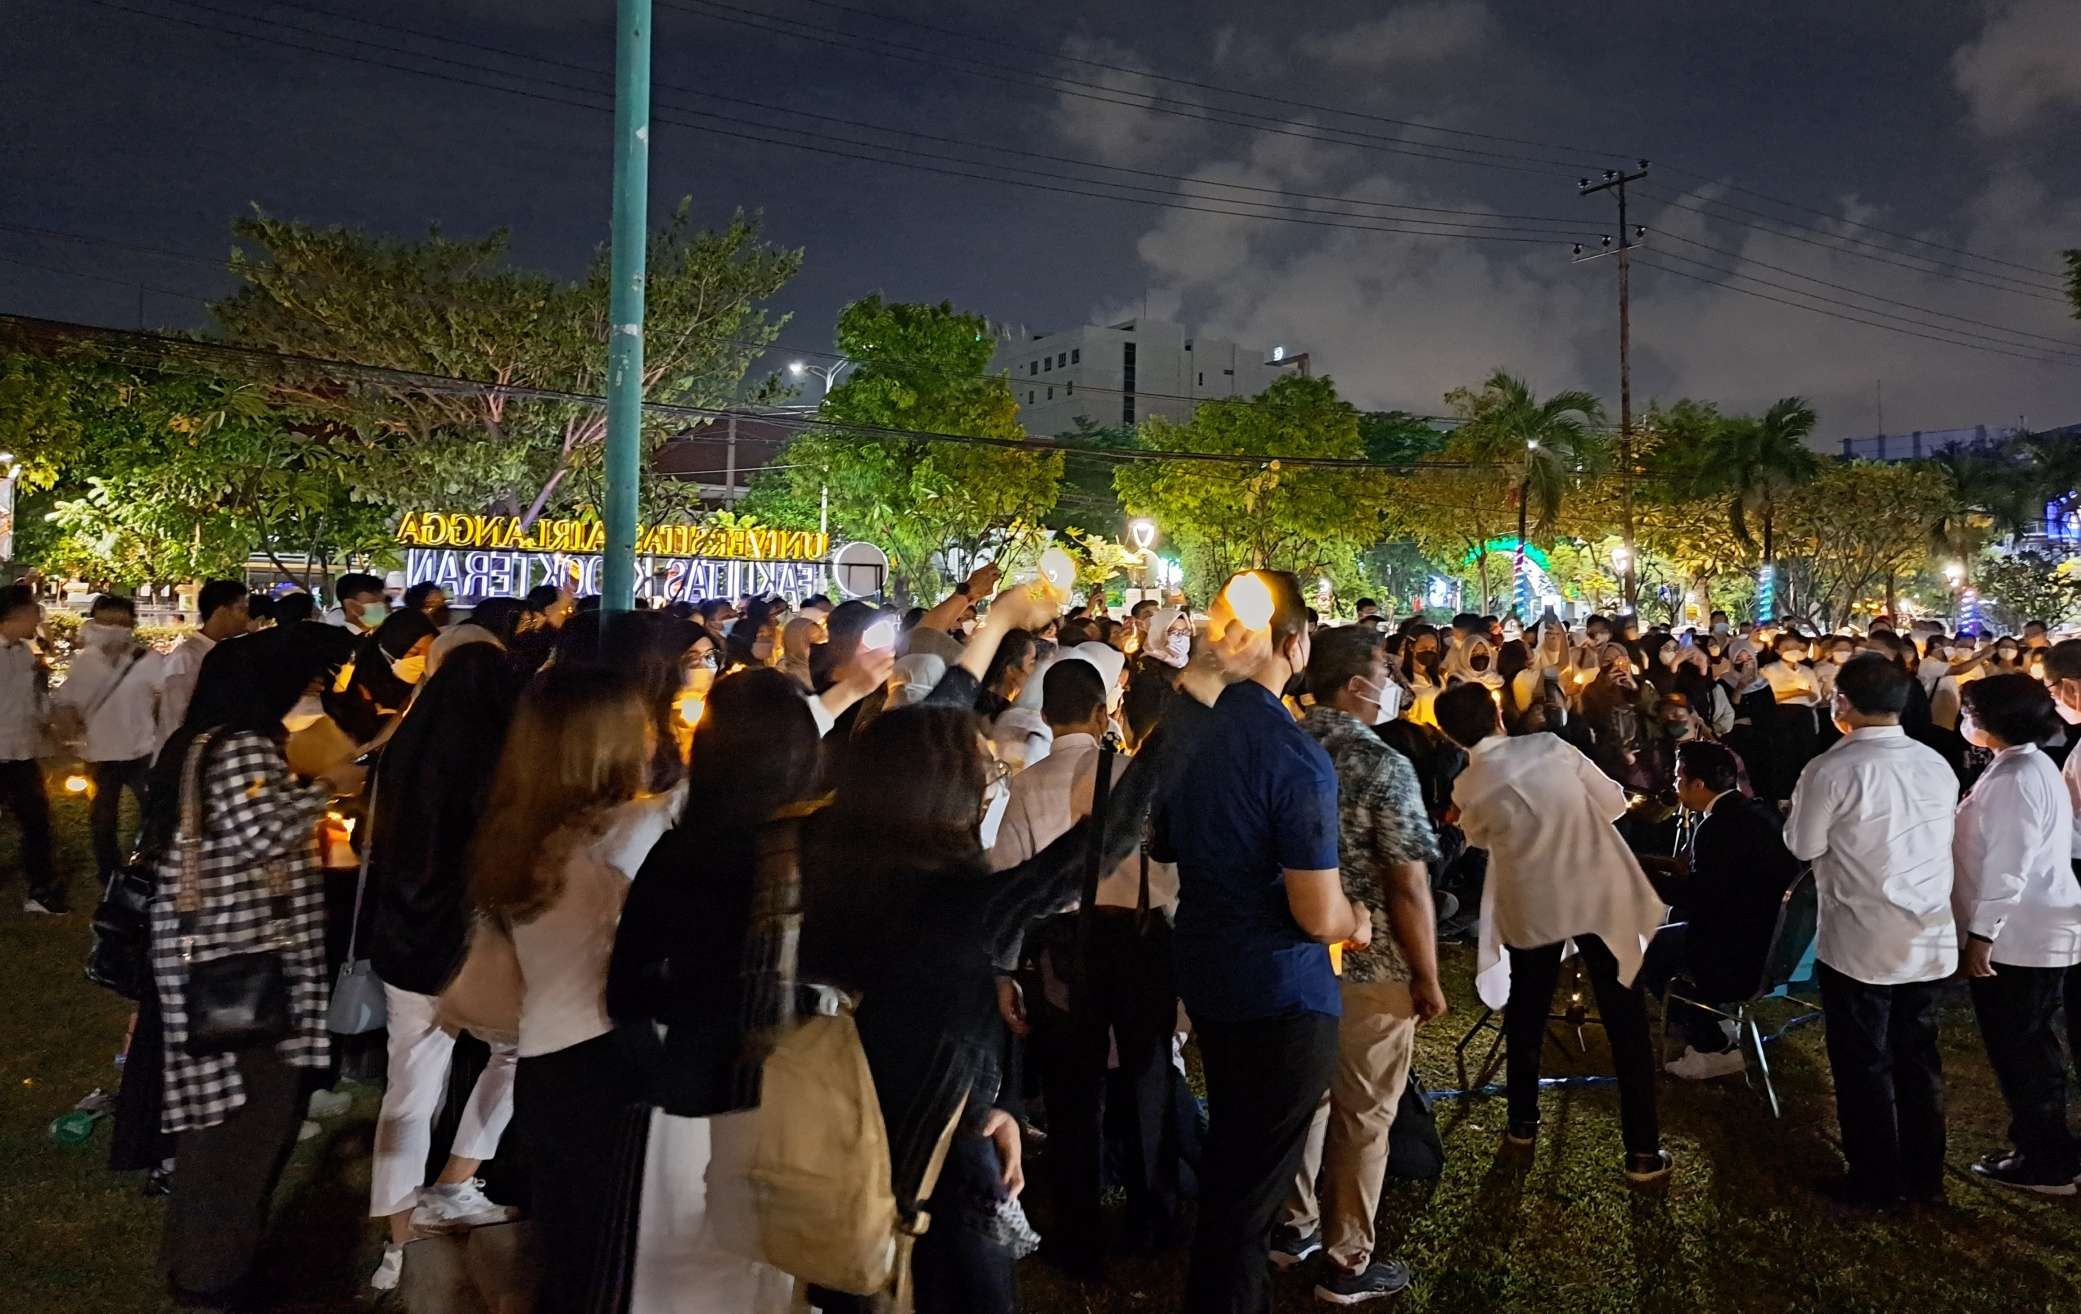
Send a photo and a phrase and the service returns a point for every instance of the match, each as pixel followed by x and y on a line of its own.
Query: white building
pixel 1118 374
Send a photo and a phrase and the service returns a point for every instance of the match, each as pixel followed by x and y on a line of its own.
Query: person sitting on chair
pixel 1727 891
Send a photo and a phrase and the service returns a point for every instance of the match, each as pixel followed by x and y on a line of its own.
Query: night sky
pixel 1949 120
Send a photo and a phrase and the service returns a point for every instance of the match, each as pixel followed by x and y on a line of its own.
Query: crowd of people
pixel 604 868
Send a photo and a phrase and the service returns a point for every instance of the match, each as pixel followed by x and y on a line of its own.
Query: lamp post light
pixel 828 374
pixel 1144 531
pixel 1521 591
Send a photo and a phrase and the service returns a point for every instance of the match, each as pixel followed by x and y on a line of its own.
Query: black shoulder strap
pixel 1094 856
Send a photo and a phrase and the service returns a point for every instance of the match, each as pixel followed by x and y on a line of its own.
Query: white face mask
pixel 307 713
pixel 998 803
pixel 97 634
pixel 1387 700
pixel 1180 646
pixel 1719 627
pixel 2070 715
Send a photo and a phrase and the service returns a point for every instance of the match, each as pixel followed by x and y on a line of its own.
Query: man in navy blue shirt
pixel 1251 820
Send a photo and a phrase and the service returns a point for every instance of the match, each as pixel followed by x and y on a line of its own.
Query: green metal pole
pixel 625 302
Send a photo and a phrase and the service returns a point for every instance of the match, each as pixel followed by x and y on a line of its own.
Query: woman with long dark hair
pixel 238 874
pixel 697 966
pixel 428 799
pixel 900 906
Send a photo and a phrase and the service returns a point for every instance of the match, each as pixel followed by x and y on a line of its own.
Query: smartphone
pixel 881 634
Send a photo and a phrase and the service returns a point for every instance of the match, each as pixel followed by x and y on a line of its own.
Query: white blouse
pixel 2013 854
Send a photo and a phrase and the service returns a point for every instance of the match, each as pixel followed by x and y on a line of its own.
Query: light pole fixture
pixel 1144 531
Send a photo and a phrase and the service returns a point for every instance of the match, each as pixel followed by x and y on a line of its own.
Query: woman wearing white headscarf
pixel 1170 637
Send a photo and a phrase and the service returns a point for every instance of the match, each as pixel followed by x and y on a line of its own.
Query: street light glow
pixel 1144 531
pixel 794 367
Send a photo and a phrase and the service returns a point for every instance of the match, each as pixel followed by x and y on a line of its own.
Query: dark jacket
pixel 430 789
pixel 1740 870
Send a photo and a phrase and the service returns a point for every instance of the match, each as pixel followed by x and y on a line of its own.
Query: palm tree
pixel 1749 461
pixel 1541 446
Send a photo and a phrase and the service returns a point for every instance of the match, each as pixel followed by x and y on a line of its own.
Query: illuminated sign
pixel 489 556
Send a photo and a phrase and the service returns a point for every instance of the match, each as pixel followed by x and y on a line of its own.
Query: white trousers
pixel 420 1053
pixel 697 1230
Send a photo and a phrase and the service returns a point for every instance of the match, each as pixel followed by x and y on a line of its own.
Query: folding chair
pixel 1788 962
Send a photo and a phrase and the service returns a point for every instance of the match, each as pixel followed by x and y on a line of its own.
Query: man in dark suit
pixel 1726 892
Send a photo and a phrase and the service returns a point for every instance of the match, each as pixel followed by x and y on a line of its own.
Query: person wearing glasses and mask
pixel 1385 846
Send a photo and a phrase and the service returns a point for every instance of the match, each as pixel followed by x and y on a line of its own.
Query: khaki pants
pixel 1347 1141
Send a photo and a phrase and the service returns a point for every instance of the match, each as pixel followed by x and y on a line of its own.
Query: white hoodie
pixel 1557 868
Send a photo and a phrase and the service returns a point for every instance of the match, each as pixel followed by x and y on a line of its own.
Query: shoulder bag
pixel 240 1000
pixel 357 1006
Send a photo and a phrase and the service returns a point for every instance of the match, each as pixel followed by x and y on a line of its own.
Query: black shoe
pixel 1649 1167
pixel 1290 1249
pixel 158 1183
pixel 2010 1168
pixel 1382 1278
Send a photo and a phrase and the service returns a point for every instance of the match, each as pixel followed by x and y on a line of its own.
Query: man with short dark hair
pixel 2063 678
pixel 2034 635
pixel 21 728
pixel 1385 846
pixel 1251 819
pixel 1367 609
pixel 113 692
pixel 1727 891
pixel 1558 872
pixel 362 605
pixel 550 605
pixel 295 608
pixel 1874 814
pixel 222 610
pixel 1126 1004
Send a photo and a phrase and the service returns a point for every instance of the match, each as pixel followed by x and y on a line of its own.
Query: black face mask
pixel 1478 663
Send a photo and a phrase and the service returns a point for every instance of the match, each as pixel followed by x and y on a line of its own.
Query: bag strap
pixel 86 718
pixel 1141 899
pixel 361 882
pixel 1094 856
pixel 188 893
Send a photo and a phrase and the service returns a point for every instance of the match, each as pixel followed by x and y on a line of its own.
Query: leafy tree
pixel 1538 449
pixel 1088 497
pixel 2027 586
pixel 158 472
pixel 1852 528
pixel 1225 516
pixel 1747 464
pixel 921 369
pixel 1399 438
pixel 457 310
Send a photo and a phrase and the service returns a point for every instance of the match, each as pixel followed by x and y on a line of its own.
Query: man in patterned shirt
pixel 1385 845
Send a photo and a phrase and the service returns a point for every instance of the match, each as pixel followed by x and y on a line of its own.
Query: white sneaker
pixel 459 1208
pixel 387 1273
pixel 1694 1066
pixel 329 1104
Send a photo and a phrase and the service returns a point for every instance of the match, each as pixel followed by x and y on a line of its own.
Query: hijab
pixel 796 640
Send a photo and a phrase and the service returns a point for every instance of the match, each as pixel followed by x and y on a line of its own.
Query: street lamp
pixel 1144 531
pixel 828 373
pixel 1953 571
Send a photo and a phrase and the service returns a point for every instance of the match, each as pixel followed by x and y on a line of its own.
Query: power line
pixel 1934 268
pixel 1873 323
pixel 1871 296
pixel 1410 124
pixel 939 61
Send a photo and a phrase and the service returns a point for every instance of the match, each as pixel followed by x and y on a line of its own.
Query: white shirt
pixel 2014 857
pixel 1875 815
pixel 124 725
pixel 21 703
pixel 2071 773
pixel 564 952
pixel 1054 794
pixel 1791 682
pixel 178 673
pixel 1557 868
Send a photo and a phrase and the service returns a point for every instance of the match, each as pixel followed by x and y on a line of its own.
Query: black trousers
pixel 104 818
pixel 1668 956
pixel 1264 1079
pixel 227 1176
pixel 1623 1013
pixel 22 793
pixel 955 1269
pixel 2015 1008
pixel 1889 1083
pixel 576 1109
pixel 1129 1002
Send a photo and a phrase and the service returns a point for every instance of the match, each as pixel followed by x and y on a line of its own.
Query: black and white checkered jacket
pixel 254 814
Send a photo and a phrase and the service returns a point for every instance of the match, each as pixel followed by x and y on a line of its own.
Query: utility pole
pixel 625 301
pixel 1615 181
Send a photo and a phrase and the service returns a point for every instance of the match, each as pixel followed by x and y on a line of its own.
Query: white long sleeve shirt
pixel 21 703
pixel 178 673
pixel 2013 852
pixel 1054 794
pixel 2071 774
pixel 117 691
pixel 1875 815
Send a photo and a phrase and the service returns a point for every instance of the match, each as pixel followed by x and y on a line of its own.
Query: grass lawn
pixel 1739 1228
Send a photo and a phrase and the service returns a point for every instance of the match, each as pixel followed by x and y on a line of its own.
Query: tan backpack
pixel 820 1173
